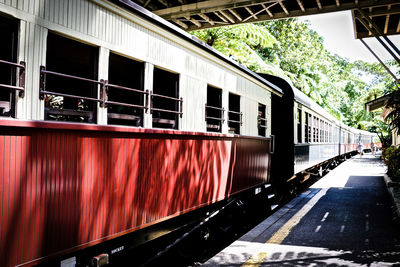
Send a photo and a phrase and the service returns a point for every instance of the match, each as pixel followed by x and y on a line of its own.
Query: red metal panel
pixel 63 188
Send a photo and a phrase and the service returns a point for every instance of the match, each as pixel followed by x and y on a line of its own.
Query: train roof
pixel 298 96
pixel 144 13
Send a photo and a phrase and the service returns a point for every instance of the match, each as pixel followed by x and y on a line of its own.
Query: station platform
pixel 345 219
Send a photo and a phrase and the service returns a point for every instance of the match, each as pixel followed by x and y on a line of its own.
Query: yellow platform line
pixel 284 231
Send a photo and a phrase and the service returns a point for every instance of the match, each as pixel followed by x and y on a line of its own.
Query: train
pixel 117 127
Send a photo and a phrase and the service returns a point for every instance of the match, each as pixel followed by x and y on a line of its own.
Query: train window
pixel 316 129
pixel 321 131
pixel 261 120
pixel 8 57
pixel 125 97
pixel 69 83
pixel 234 114
pixel 166 105
pixel 326 132
pixel 299 126
pixel 214 110
pixel 308 126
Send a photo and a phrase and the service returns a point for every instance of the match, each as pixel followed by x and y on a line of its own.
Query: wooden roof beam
pixel 376 13
pixel 207 6
pixel 301 5
pixel 234 12
pixel 319 5
pixel 266 9
pixel 165 3
pixel 250 12
pixel 266 14
pixel 147 2
pixel 180 23
pixel 385 29
pixel 284 8
pixel 195 22
pixel 221 17
pixel 206 18
pixel 227 16
pixel 398 26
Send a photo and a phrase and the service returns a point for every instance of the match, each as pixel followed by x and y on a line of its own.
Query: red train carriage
pixel 65 187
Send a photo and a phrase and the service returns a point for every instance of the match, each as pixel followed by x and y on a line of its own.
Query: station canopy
pixel 195 15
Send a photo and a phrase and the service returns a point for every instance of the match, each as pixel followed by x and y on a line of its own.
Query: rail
pixel 43 91
pixel 215 118
pixel 240 121
pixel 21 81
pixel 144 93
pixel 262 122
pixel 180 107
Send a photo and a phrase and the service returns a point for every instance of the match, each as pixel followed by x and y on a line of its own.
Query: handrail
pixel 127 88
pixel 43 70
pixel 222 119
pixel 180 107
pixel 43 91
pixel 70 96
pixel 235 112
pixel 212 107
pixel 21 80
pixel 214 118
pixel 106 101
pixel 238 113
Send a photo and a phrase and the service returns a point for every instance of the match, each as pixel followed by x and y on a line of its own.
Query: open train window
pixel 316 129
pixel 69 81
pixel 234 114
pixel 165 102
pixel 214 110
pixel 8 56
pixel 307 127
pixel 299 126
pixel 126 97
pixel 262 120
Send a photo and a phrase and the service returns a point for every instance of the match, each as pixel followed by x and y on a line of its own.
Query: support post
pixel 380 61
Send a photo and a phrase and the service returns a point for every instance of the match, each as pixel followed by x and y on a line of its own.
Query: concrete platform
pixel 345 219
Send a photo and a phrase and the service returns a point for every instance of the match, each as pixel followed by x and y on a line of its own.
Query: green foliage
pixel 292 50
pixel 391 156
pixel 240 43
pixel 394 105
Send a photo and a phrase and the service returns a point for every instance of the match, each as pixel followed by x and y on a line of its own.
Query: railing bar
pixel 262 119
pixel 221 109
pixel 262 126
pixel 127 88
pixel 124 104
pixel 12 64
pixel 214 118
pixel 12 87
pixel 235 112
pixel 71 96
pixel 164 110
pixel 168 97
pixel 70 76
pixel 234 121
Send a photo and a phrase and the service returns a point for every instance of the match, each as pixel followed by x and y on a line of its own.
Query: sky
pixel 338 33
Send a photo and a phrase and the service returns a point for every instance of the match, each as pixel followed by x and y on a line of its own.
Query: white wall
pixel 105 25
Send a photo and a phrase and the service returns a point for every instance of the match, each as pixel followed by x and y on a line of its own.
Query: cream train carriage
pixel 113 120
